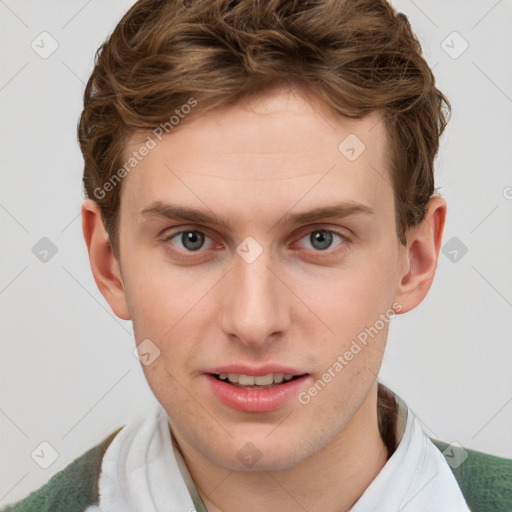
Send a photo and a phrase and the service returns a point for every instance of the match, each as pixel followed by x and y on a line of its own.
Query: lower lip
pixel 255 400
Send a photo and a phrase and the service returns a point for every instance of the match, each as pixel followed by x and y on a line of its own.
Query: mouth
pixel 267 381
pixel 267 389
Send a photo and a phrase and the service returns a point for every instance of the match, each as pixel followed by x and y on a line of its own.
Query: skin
pixel 297 305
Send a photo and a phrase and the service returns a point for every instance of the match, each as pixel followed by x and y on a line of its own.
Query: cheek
pixel 355 306
pixel 171 308
pixel 159 295
pixel 352 297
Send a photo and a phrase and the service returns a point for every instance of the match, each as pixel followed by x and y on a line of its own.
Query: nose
pixel 254 306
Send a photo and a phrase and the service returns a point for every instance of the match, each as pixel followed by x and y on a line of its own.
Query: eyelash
pixel 187 254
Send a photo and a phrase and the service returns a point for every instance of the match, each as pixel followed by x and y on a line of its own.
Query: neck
pixel 342 470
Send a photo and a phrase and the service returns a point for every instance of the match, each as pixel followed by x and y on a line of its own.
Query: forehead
pixel 269 152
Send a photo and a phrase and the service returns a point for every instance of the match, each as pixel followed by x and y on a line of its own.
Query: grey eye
pixel 192 240
pixel 321 239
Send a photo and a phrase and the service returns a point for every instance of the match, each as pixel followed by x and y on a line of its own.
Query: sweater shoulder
pixel 485 480
pixel 71 490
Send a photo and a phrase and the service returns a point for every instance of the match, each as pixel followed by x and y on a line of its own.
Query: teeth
pixel 262 380
pixel 245 380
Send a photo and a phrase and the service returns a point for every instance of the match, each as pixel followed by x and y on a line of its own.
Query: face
pixel 253 244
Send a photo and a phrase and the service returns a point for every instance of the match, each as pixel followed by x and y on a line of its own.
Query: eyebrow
pixel 161 210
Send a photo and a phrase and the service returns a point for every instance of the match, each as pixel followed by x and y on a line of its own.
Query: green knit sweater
pixel 485 481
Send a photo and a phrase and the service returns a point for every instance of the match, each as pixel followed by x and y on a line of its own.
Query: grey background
pixel 68 373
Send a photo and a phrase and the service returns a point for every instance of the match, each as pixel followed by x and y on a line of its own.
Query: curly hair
pixel 359 56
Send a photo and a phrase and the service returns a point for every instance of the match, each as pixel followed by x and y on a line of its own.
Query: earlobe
pixel 422 251
pixel 104 266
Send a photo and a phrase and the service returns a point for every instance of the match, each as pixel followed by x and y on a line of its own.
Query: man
pixel 260 203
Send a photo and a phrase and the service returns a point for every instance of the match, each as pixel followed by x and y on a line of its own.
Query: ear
pixel 420 256
pixel 104 266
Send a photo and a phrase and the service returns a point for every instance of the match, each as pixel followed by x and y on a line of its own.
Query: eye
pixel 322 239
pixel 190 240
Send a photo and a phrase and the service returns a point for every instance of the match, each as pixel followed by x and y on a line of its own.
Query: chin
pixel 286 459
pixel 269 452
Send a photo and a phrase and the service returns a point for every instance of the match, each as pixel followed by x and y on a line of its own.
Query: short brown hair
pixel 359 56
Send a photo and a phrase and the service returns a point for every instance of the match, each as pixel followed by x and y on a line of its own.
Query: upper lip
pixel 255 371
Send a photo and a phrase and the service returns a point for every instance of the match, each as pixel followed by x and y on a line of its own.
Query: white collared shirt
pixel 142 470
